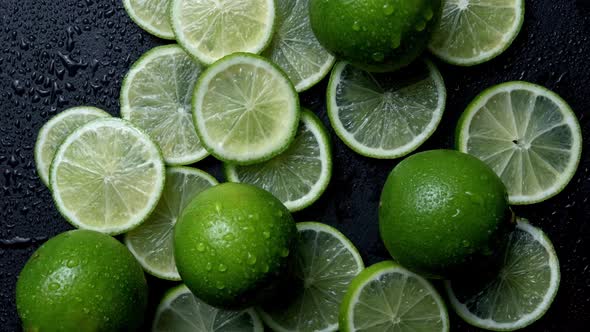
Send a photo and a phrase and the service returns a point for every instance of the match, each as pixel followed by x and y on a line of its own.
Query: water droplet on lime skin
pixel 396 41
pixel 356 26
pixel 201 247
pixel 265 268
pixel 72 263
pixel 421 26
pixel 53 286
pixel 466 243
pixel 209 267
pixel 251 260
pixel 285 252
pixel 378 56
pixel 428 14
pixel 228 237
pixel 266 234
pixel 388 9
pixel 222 268
pixel 220 285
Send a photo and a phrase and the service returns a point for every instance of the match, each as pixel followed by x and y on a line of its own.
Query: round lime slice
pixel 156 96
pixel 151 16
pixel 386 116
pixel 181 311
pixel 151 242
pixel 53 133
pixel 521 292
pixel 326 263
pixel 527 134
pixel 245 109
pixel 107 176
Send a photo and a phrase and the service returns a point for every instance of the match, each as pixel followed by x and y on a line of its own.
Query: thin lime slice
pixel 387 297
pixel 55 131
pixel 245 109
pixel 156 96
pixel 295 48
pixel 522 291
pixel 151 16
pixel 527 134
pixel 298 176
pixel 386 116
pixel 107 176
pixel 212 29
pixel 181 311
pixel 471 32
pixel 325 265
pixel 151 242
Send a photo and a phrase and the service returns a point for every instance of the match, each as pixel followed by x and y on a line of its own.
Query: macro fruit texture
pixel 376 35
pixel 81 281
pixel 444 213
pixel 233 245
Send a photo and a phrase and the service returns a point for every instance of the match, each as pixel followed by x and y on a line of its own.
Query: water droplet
pixel 228 237
pixel 208 267
pixel 53 286
pixel 218 207
pixel 285 252
pixel 356 26
pixel 222 268
pixel 388 9
pixel 72 263
pixel 220 285
pixel 280 213
pixel 466 243
pixel 396 41
pixel 428 14
pixel 265 268
pixel 266 234
pixel 201 247
pixel 378 56
pixel 421 26
pixel 86 310
pixel 251 260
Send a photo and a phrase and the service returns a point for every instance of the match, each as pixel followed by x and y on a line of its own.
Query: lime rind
pixel 159 9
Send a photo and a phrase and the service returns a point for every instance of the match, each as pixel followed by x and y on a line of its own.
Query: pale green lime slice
pixel 522 291
pixel 245 109
pixel 156 96
pixel 298 176
pixel 295 48
pixel 107 176
pixel 527 134
pixel 151 15
pixel 55 131
pixel 388 297
pixel 212 29
pixel 386 116
pixel 471 32
pixel 326 263
pixel 151 242
pixel 181 311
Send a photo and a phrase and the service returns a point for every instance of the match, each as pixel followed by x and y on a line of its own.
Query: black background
pixel 55 54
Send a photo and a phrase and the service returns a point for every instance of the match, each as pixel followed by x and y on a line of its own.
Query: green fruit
pixel 81 281
pixel 443 212
pixel 376 35
pixel 233 245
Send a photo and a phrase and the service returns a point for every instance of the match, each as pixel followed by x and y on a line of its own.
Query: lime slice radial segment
pixel 151 15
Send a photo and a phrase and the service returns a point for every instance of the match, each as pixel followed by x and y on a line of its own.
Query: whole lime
pixel 233 245
pixel 376 35
pixel 443 212
pixel 81 281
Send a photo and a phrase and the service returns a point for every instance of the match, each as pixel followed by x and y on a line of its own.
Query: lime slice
pixel 212 29
pixel 181 311
pixel 387 297
pixel 386 116
pixel 527 134
pixel 151 242
pixel 156 96
pixel 107 176
pixel 298 176
pixel 151 16
pixel 53 133
pixel 295 48
pixel 325 265
pixel 471 32
pixel 246 109
pixel 522 291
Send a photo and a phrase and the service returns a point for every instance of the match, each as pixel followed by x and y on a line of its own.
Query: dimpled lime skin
pixel 233 245
pixel 375 35
pixel 444 213
pixel 81 281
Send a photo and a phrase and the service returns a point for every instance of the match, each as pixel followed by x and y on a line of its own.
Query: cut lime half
pixel 151 15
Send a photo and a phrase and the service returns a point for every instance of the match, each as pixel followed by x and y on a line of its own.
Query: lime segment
pixel 151 15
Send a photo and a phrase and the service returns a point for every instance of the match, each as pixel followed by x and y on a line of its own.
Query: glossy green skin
pixel 444 213
pixel 376 35
pixel 81 281
pixel 233 245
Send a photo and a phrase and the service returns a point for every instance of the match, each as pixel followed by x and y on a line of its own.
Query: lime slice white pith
pixel 156 97
pixel 107 176
pixel 151 15
pixel 527 134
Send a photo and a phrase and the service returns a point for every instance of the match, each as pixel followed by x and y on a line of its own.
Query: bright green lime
pixel 151 15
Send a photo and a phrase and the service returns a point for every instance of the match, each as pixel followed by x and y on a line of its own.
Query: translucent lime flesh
pixel 151 15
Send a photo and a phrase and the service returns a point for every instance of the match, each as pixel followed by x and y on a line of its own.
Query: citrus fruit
pixel 528 135
pixel 212 29
pixel 298 176
pixel 386 115
pixel 471 32
pixel 325 264
pixel 245 109
pixel 376 35
pixel 443 212
pixel 53 133
pixel 388 297
pixel 156 96
pixel 152 242
pixel 520 293
pixel 151 15
pixel 181 311
pixel 233 245
pixel 81 281
pixel 107 176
